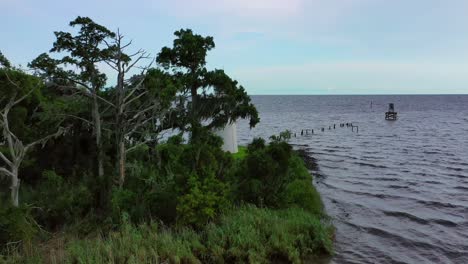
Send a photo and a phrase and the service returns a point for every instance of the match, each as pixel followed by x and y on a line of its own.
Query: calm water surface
pixel 397 190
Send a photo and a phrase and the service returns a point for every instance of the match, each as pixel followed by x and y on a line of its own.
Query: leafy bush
pixel 16 224
pixel 203 201
pixel 202 186
pixel 263 174
pixel 186 184
pixel 301 193
pixel 61 201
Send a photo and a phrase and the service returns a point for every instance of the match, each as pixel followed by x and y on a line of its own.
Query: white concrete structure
pixel 229 136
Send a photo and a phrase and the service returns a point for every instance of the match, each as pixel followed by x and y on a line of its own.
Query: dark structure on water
pixel 391 114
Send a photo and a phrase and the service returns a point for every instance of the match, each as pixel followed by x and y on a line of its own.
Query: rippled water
pixel 397 190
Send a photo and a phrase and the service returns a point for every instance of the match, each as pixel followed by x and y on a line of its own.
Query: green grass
pixel 241 153
pixel 244 235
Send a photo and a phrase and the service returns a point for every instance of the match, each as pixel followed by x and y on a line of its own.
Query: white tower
pixel 229 136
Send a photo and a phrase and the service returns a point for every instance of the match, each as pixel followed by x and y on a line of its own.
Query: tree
pixel 13 94
pixel 140 102
pixel 215 99
pixel 85 51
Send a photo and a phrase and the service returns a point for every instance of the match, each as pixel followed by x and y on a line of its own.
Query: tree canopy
pixel 214 99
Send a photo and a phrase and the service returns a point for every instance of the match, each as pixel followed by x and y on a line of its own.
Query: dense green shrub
pixel 60 201
pixel 201 185
pixel 185 183
pixel 301 193
pixel 16 224
pixel 263 174
pixel 203 200
pixel 275 176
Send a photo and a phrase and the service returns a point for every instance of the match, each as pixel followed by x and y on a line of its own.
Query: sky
pixel 278 46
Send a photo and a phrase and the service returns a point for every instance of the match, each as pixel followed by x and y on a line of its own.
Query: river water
pixel 397 190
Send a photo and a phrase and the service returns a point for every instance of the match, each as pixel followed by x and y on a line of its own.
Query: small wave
pixel 456 175
pixel 432 182
pixel 443 222
pixel 406 215
pixel 370 165
pixel 397 186
pixel 387 179
pixel 419 220
pixel 463 188
pixel 437 204
pixel 454 168
pixel 431 152
pixel 330 150
pixel 457 163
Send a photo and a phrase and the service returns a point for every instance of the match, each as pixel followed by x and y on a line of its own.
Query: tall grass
pixel 245 235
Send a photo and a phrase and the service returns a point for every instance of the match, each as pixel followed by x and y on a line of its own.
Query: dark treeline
pixel 79 154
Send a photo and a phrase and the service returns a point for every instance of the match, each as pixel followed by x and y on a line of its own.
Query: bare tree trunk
pixel 122 162
pixel 15 185
pixel 119 133
pixel 98 132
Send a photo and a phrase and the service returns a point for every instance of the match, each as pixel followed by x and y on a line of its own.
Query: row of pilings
pixel 308 131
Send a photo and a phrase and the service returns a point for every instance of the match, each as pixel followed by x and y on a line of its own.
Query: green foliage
pixel 189 51
pixel 16 224
pixel 275 176
pixel 83 50
pixel 215 96
pixel 264 173
pixel 244 235
pixel 301 193
pixel 142 244
pixel 186 186
pixel 4 62
pixel 203 200
pixel 60 200
pixel 23 118
pixel 254 235
pixel 148 194
pixel 241 153
pixel 283 136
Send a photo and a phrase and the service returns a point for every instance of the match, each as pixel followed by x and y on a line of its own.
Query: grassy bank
pixel 245 235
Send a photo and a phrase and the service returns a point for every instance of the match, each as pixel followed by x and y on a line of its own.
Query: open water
pixel 397 190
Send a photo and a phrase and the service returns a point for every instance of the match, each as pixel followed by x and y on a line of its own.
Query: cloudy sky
pixel 279 46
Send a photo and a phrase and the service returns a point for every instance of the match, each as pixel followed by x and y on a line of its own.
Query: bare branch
pixel 77 117
pixel 19 88
pixel 110 65
pixel 140 144
pixel 7 172
pixel 126 45
pixel 44 140
pixel 134 98
pixel 144 55
pixel 5 159
pixel 137 87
